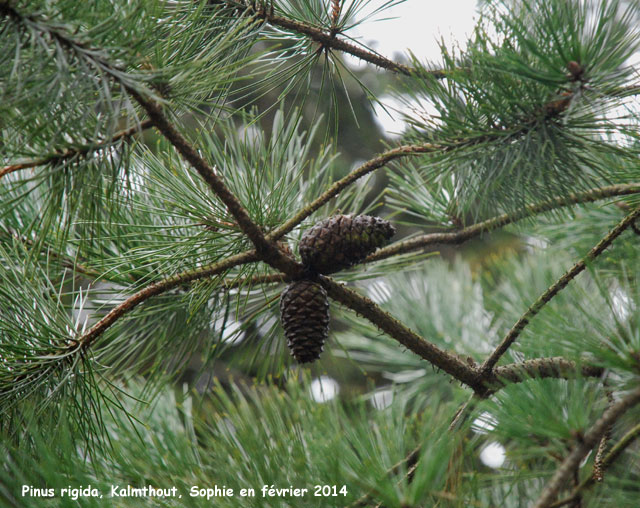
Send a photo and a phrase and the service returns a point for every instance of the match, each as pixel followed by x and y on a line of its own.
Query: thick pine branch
pixel 267 249
pixel 514 373
pixel 555 368
pixel 555 288
pixel 483 382
pixel 440 358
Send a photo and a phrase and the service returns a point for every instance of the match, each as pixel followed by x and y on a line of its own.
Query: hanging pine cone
pixel 343 240
pixel 304 310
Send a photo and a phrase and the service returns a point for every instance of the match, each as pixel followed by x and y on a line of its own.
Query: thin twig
pixel 555 288
pixel 613 454
pixel 64 260
pixel 157 288
pixel 598 469
pixel 463 235
pixel 340 185
pixel 327 39
pixel 336 8
pixel 557 367
pixel 463 412
pixel 76 151
pixel 409 461
pixel 580 450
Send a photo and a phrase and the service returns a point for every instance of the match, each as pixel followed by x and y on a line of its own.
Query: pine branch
pixel 74 46
pixel 613 454
pixel 369 166
pixel 552 368
pixel 266 249
pixel 156 288
pixel 582 448
pixel 554 289
pixel 407 150
pixel 328 40
pixel 440 358
pixel 557 368
pixel 456 237
pixel 77 151
pixel 494 223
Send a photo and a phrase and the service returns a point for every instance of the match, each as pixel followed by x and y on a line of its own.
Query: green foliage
pixel 513 122
pixel 140 335
pixel 262 435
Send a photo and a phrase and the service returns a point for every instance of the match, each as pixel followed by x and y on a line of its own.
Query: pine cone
pixel 304 310
pixel 343 240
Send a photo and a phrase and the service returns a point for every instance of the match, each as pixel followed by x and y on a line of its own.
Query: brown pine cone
pixel 304 311
pixel 341 241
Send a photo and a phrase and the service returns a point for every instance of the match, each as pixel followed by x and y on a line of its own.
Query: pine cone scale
pixel 304 309
pixel 341 241
pixel 331 245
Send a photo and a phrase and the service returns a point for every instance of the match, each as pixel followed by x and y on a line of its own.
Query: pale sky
pixel 417 25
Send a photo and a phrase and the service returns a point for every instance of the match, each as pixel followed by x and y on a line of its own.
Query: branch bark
pixel 613 454
pixel 463 235
pixel 78 151
pixel 580 450
pixel 557 367
pixel 442 359
pixel 555 288
pixel 86 339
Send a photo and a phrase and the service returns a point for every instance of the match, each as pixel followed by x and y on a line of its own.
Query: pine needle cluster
pixel 160 162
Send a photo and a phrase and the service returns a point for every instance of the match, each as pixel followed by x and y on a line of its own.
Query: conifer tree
pixel 479 277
